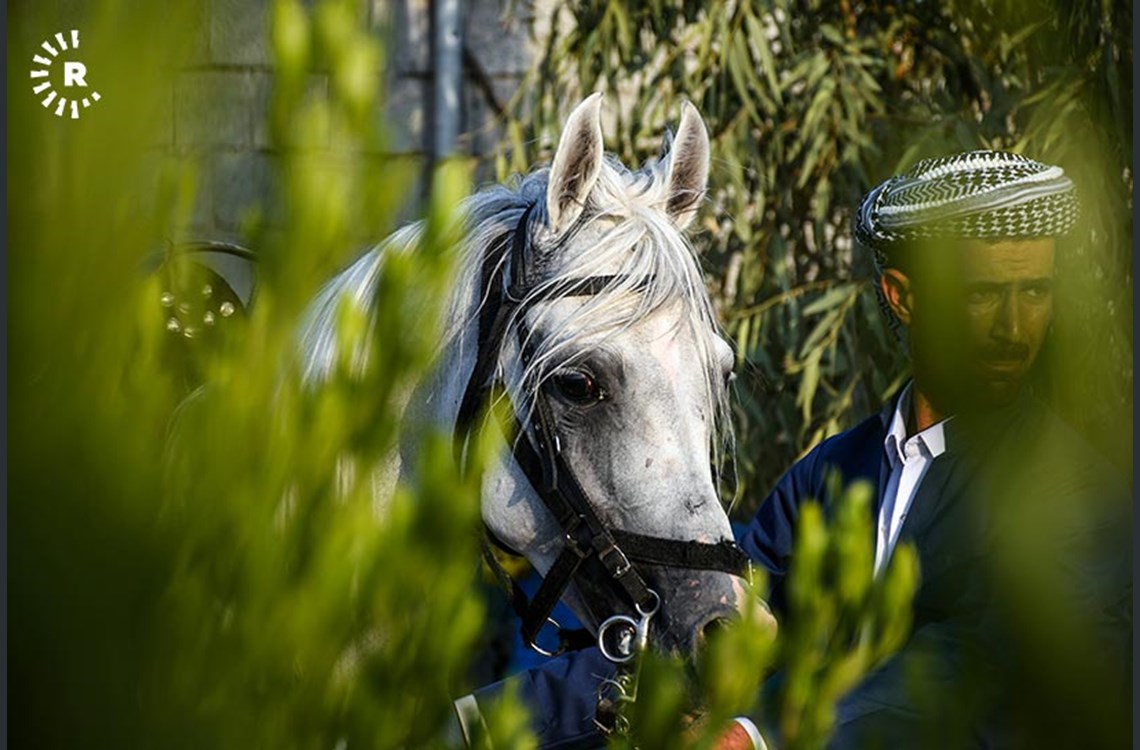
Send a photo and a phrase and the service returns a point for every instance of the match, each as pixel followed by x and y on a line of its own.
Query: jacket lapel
pixel 884 471
pixel 944 481
pixel 969 440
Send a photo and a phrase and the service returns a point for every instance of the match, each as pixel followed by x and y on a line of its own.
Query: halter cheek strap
pixel 545 466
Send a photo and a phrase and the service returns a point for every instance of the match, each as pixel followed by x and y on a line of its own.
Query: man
pixel 989 486
pixel 999 497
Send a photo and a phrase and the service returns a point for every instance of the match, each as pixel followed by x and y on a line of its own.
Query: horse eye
pixel 577 387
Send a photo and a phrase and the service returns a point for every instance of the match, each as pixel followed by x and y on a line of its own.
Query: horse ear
pixel 577 162
pixel 688 173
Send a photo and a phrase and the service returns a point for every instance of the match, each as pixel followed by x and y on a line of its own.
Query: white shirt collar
pixel 931 442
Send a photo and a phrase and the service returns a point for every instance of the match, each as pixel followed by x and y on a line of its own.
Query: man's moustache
pixel 1006 353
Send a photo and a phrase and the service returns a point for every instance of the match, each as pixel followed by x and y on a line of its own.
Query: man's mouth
pixel 1002 370
pixel 1003 365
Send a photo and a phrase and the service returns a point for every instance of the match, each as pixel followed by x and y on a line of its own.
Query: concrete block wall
pixel 220 101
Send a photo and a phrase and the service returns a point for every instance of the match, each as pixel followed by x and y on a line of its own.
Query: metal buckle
pixel 623 566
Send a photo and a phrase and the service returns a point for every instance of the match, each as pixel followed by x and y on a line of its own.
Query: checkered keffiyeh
pixel 975 195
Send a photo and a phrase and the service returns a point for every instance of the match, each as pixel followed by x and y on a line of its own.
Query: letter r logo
pixel 74 76
pixel 74 73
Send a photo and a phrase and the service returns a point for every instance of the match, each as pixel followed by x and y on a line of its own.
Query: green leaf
pixel 809 383
pixel 832 34
pixel 834 297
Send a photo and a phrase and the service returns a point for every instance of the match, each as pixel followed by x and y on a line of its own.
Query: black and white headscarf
pixel 975 195
pixel 985 195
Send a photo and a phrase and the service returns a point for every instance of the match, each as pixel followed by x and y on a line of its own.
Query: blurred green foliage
pixel 207 567
pixel 844 621
pixel 841 623
pixel 214 571
pixel 810 104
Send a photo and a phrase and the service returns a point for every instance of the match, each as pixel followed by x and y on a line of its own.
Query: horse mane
pixel 657 267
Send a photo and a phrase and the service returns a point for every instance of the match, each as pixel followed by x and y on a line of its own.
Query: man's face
pixel 1009 305
pixel 984 322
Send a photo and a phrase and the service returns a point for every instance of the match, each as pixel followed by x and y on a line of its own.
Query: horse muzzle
pixel 695 604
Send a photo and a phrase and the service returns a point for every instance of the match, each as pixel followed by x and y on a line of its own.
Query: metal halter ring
pixel 626 638
pixel 533 645
pixel 620 692
pixel 647 613
pixel 634 635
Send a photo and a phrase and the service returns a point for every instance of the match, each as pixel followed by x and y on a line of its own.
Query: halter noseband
pixel 542 461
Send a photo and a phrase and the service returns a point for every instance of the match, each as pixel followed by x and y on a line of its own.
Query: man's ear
pixel 895 286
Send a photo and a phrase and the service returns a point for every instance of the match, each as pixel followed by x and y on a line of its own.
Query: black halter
pixel 545 467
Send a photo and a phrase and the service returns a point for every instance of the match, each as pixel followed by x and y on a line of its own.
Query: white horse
pixel 578 293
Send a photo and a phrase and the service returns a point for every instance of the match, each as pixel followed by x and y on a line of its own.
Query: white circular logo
pixel 75 95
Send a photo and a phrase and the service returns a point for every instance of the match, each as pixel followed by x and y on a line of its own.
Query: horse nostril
pixel 714 626
pixel 712 629
pixel 707 633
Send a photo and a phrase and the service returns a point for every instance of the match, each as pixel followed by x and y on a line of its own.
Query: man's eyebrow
pixel 1042 284
pixel 984 285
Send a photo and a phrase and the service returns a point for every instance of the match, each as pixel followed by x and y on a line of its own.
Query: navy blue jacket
pixel 959 514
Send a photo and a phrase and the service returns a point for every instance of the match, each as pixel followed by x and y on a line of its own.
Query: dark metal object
pixel 203 287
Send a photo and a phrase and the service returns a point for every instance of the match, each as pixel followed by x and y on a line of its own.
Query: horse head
pixel 580 304
pixel 611 359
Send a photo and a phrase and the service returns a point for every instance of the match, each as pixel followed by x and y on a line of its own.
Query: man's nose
pixel 1007 325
